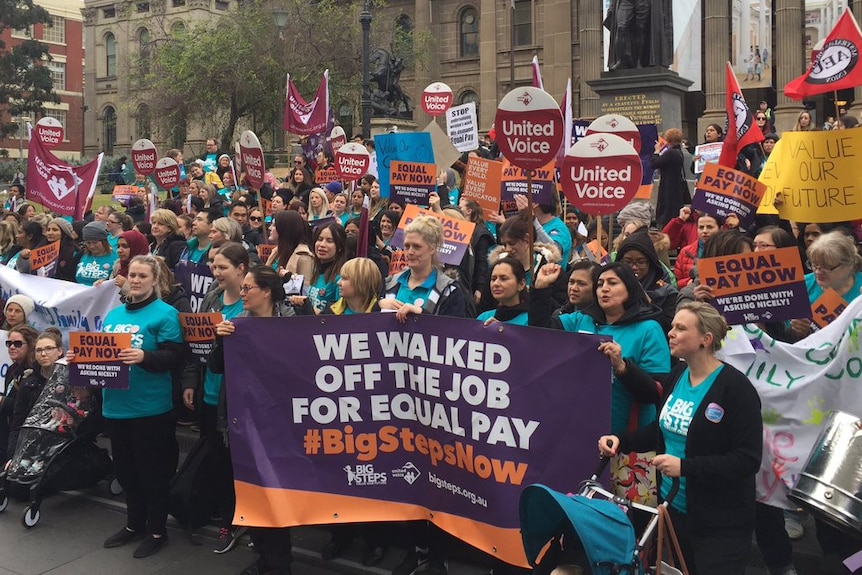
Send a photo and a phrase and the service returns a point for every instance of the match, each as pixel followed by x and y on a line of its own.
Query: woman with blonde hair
pixel 318 204
pixel 209 194
pixel 423 287
pixel 225 229
pixel 359 283
pixel 169 242
pixel 804 123
pixel 8 247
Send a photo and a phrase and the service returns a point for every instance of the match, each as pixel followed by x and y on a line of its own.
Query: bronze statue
pixel 641 34
pixel 388 99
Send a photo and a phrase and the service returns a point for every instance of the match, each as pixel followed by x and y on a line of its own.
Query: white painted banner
pixel 799 384
pixel 463 127
pixel 65 305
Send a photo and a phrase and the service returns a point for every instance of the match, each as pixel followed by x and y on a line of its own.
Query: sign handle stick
pixel 532 233
pixel 599 236
pixel 262 214
pixel 835 101
pixel 610 231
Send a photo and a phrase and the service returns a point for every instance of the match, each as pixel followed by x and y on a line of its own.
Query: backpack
pixel 192 500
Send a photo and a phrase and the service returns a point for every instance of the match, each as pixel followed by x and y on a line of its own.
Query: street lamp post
pixel 281 17
pixel 365 21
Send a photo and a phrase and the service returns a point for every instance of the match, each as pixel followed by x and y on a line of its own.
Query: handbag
pixel 668 543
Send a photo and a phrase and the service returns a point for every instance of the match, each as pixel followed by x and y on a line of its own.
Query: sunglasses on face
pixel 17 344
pixel 255 218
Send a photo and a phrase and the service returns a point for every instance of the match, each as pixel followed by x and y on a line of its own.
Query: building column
pixel 590 42
pixel 789 22
pixel 488 64
pixel 716 27
pixel 557 47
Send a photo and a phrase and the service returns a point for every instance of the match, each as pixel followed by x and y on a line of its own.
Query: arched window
pixel 109 130
pixel 403 36
pixel 142 121
pixel 469 33
pixel 144 49
pixel 110 54
pixel 469 96
pixel 178 28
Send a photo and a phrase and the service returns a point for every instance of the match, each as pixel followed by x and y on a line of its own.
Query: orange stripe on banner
pixel 270 507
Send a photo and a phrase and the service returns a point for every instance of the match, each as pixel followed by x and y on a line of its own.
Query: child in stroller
pixel 56 448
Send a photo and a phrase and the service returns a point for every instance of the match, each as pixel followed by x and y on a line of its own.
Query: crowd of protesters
pixel 291 249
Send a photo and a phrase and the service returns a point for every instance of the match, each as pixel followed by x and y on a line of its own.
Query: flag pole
pixel 512 46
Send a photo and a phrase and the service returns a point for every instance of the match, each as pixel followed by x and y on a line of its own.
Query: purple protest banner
pixel 95 363
pixel 722 191
pixel 757 286
pixel 107 375
pixel 514 181
pixel 441 419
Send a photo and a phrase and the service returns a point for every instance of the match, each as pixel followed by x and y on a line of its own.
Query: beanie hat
pixel 27 304
pixel 637 210
pixel 334 187
pixel 95 231
pixel 771 136
pixel 65 227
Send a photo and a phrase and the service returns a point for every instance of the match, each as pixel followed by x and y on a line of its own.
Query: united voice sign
pixel 437 98
pixel 601 173
pixel 50 132
pixel 252 158
pixel 144 156
pixel 529 127
pixel 352 161
pixel 619 126
pixel 167 173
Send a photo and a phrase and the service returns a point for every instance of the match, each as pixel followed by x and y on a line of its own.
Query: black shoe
pixel 373 556
pixel 122 537
pixel 333 549
pixel 227 539
pixel 150 546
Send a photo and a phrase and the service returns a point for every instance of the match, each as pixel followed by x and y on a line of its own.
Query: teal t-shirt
pixel 642 342
pixel 94 268
pixel 323 293
pixel 417 295
pixel 214 381
pixel 149 393
pixel 556 228
pixel 113 241
pixel 815 291
pixel 674 421
pixel 520 319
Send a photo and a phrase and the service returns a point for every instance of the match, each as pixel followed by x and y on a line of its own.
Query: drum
pixel 830 484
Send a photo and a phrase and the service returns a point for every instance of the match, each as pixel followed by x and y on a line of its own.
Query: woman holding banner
pixel 423 287
pixel 291 255
pixel 62 231
pixel 30 236
pixel 709 434
pixel 140 418
pixel 638 353
pixel 330 248
pixel 262 295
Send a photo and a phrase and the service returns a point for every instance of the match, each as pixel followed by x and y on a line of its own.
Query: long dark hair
pixel 517 271
pixel 266 278
pixel 34 234
pixel 292 230
pixel 637 295
pixel 331 268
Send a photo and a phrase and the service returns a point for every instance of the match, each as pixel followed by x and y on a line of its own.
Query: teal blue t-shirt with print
pixel 94 268
pixel 674 421
pixel 214 381
pixel 149 393
pixel 520 319
pixel 323 293
pixel 420 293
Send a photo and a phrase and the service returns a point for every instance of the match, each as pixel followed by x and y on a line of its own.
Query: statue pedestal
pixel 385 125
pixel 644 95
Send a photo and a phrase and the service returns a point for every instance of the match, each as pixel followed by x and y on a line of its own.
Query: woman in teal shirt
pixel 330 246
pixel 97 261
pixel 509 290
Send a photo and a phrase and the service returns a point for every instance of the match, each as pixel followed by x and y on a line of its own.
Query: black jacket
pixel 170 249
pixel 656 281
pixel 721 458
pixel 29 389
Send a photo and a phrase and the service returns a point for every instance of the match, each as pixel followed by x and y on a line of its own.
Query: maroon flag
pixel 537 74
pixel 836 66
pixel 60 187
pixel 741 130
pixel 307 118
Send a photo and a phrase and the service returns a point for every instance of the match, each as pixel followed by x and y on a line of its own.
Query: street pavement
pixel 68 541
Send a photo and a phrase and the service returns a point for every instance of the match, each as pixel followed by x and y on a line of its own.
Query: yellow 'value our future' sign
pixel 815 176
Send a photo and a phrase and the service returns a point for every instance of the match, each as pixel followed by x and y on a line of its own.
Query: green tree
pixel 25 83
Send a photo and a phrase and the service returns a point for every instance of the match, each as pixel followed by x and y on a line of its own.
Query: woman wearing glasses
pixel 262 295
pixel 20 343
pixel 48 349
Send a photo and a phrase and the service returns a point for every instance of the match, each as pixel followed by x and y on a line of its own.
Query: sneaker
pixel 794 528
pixel 121 537
pixel 150 546
pixel 186 422
pixel 227 539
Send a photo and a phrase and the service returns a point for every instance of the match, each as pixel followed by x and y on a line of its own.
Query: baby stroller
pixel 592 529
pixel 56 448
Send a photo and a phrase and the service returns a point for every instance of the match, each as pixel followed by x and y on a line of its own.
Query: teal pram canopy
pixel 604 529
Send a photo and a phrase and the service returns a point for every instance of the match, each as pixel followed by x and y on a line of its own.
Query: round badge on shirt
pixel 419 302
pixel 714 412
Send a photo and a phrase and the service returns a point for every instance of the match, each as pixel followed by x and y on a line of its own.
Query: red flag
pixel 60 187
pixel 836 66
pixel 537 74
pixel 307 118
pixel 741 130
